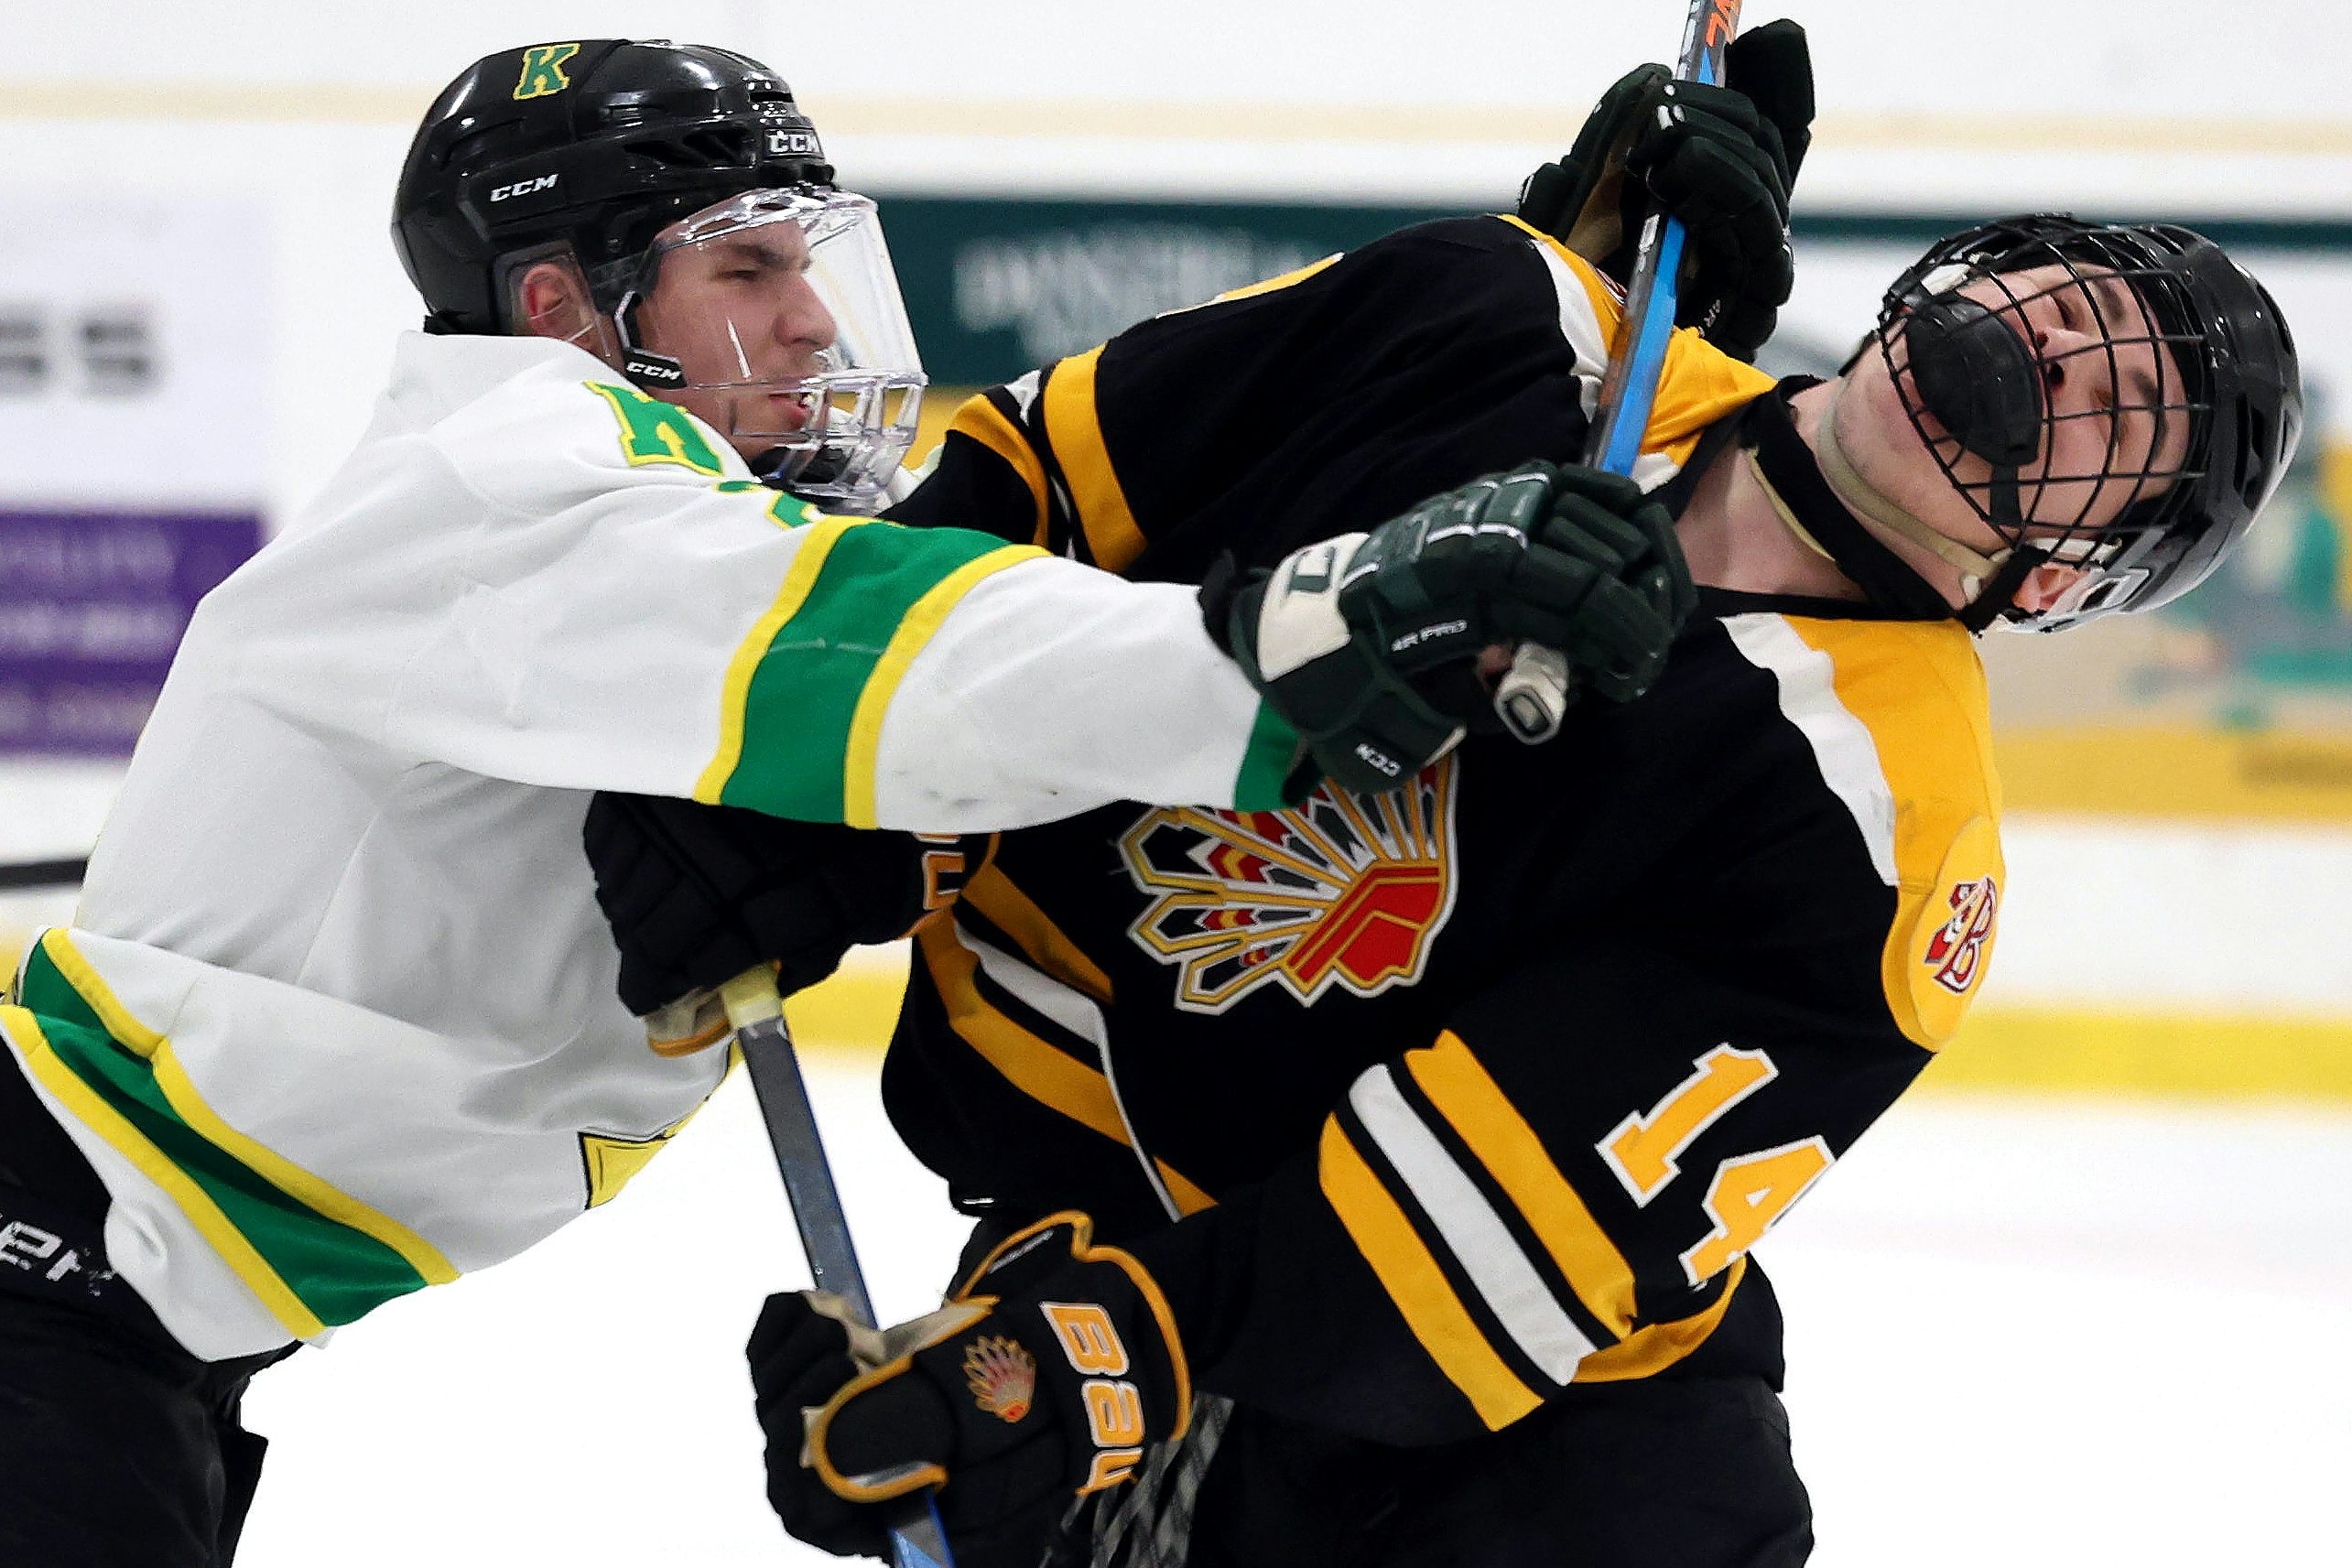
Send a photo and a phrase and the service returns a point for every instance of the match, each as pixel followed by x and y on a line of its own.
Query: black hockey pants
pixel 118 1449
pixel 1678 1472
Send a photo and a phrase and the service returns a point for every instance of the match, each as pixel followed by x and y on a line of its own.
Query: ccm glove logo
pixel 1114 1410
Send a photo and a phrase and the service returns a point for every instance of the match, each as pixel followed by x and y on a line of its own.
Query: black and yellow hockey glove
pixel 1370 643
pixel 696 894
pixel 1044 1378
pixel 1722 159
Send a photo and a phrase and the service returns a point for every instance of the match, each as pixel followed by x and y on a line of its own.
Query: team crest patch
pixel 1939 954
pixel 1956 950
pixel 1343 889
pixel 1002 1376
pixel 543 71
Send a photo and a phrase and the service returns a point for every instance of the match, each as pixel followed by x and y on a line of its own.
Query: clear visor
pixel 775 316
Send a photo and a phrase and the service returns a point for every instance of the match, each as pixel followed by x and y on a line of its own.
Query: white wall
pixel 307 109
pixel 2189 57
pixel 2181 105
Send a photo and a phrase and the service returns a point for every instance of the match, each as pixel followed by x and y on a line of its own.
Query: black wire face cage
pixel 1988 338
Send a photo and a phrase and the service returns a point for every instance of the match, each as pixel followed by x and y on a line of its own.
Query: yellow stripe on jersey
pixel 1015 912
pixel 1698 385
pixel 1649 1351
pixel 1053 1078
pixel 1410 1275
pixel 1469 1099
pixel 735 691
pixel 1282 280
pixel 179 1092
pixel 225 1238
pixel 1608 308
pixel 916 628
pixel 1918 688
pixel 1075 429
pixel 984 422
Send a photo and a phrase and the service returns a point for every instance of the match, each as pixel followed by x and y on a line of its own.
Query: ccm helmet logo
pixel 653 370
pixel 526 187
pixel 793 143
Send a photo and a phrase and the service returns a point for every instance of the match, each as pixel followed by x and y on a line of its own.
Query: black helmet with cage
pixel 1976 383
pixel 598 152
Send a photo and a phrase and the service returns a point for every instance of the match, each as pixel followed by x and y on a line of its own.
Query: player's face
pixel 739 309
pixel 2109 438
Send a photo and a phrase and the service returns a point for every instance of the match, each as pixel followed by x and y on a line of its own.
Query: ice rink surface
pixel 2021 1334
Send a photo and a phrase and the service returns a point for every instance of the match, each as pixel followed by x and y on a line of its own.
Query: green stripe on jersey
pixel 1265 782
pixel 804 694
pixel 338 1272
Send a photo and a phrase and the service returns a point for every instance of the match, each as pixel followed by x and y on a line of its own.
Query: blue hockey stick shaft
pixel 1533 697
pixel 1630 386
pixel 918 1540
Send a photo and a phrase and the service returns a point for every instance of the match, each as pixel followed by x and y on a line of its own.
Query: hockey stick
pixel 918 1540
pixel 23 874
pixel 1533 697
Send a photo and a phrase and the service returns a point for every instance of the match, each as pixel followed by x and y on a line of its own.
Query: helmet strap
pixel 645 367
pixel 1858 492
pixel 1795 481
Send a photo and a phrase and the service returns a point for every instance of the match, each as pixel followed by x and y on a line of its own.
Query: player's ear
pixel 551 301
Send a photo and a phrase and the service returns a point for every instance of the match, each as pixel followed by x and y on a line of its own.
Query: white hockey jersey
pixel 337 1016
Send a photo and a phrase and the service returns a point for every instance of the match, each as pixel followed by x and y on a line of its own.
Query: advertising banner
pixel 997 286
pixel 132 398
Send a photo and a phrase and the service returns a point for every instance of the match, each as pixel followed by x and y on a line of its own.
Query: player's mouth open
pixel 788 410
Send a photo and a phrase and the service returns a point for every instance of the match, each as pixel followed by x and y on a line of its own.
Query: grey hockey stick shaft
pixel 918 1540
pixel 1533 697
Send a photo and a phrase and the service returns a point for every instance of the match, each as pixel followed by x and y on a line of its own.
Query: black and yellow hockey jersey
pixel 1482 1090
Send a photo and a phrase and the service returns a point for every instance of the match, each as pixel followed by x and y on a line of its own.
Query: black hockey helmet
pixel 597 144
pixel 1976 387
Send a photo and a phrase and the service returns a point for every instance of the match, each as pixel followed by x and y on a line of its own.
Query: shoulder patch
pixel 1945 952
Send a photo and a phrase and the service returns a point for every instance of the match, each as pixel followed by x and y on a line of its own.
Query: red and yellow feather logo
pixel 1343 889
pixel 1002 1376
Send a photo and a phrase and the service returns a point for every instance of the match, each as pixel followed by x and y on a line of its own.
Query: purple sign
pixel 92 605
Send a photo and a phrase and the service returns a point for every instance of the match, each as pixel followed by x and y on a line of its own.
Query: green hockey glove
pixel 1722 159
pixel 1368 644
pixel 1044 1378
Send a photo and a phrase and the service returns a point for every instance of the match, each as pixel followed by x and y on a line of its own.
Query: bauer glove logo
pixel 1114 1409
